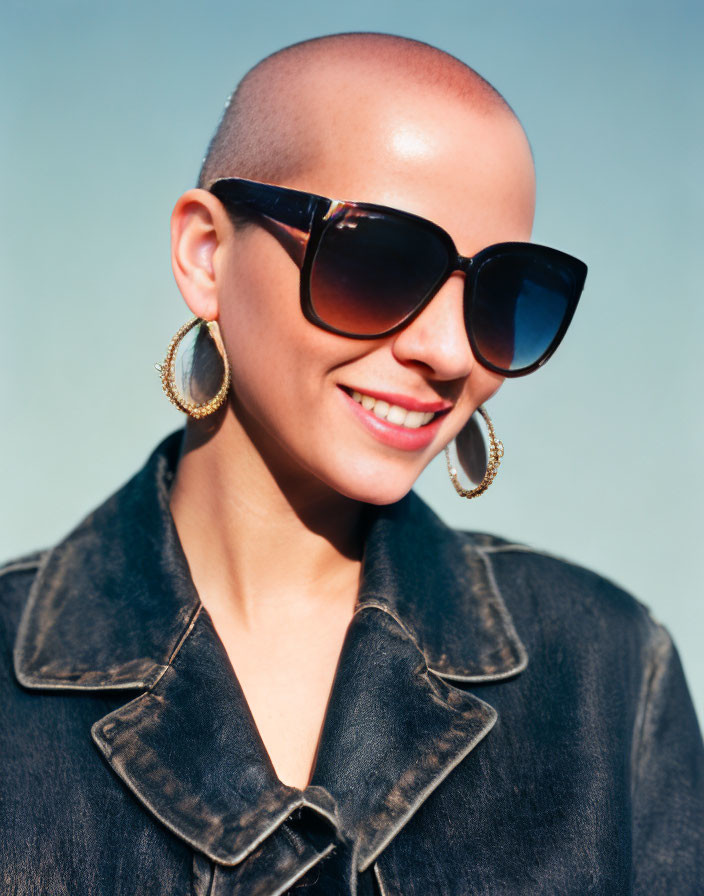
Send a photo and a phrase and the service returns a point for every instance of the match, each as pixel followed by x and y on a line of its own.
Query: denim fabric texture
pixel 501 723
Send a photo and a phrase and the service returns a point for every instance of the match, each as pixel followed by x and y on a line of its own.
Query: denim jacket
pixel 501 722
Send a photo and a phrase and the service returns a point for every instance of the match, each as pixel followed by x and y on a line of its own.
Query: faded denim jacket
pixel 501 723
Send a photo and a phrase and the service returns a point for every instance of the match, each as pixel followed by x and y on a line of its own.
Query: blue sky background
pixel 106 110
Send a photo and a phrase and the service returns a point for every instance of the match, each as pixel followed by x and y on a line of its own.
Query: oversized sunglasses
pixel 368 270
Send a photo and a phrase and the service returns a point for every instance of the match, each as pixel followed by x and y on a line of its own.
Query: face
pixel 296 387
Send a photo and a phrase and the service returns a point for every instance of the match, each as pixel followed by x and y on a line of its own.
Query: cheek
pixel 279 360
pixel 254 308
pixel 259 306
pixel 481 386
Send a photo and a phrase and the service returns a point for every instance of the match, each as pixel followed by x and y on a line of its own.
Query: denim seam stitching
pixel 377 874
pixel 189 628
pixel 659 646
pixel 23 566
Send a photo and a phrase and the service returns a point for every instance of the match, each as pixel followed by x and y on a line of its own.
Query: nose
pixel 437 340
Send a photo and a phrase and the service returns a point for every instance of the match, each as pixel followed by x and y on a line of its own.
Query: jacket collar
pixel 124 566
pixel 113 607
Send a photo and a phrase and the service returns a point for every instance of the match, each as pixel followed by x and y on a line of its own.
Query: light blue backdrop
pixel 106 111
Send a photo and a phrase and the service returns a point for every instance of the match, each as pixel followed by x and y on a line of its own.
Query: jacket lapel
pixel 393 731
pixel 189 750
pixel 114 607
pixel 428 613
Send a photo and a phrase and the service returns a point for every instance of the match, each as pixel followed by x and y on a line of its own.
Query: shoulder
pixel 16 578
pixel 554 602
pixel 583 631
pixel 556 599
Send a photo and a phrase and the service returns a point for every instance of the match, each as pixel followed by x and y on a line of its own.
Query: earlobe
pixel 196 235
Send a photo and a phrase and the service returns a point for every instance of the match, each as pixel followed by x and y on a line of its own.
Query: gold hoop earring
pixel 168 373
pixel 471 454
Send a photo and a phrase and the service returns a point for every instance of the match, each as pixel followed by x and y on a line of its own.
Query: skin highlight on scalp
pixel 269 130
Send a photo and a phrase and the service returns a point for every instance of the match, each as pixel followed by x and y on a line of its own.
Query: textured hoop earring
pixel 168 374
pixel 496 452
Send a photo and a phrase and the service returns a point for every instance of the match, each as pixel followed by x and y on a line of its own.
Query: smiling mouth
pixel 394 413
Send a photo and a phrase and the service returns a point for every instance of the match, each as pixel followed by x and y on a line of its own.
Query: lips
pixel 393 413
pixel 400 421
pixel 406 402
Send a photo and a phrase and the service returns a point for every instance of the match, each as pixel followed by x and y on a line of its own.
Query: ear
pixel 199 228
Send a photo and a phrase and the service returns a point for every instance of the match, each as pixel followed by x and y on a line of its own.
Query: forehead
pixel 468 169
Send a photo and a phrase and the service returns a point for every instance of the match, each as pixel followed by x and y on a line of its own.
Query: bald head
pixel 290 109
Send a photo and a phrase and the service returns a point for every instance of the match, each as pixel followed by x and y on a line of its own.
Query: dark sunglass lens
pixel 372 270
pixel 521 298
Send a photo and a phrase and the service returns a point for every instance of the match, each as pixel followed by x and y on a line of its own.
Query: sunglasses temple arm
pixel 290 207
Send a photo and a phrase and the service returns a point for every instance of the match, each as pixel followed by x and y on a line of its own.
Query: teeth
pixel 381 409
pixel 393 413
pixel 414 419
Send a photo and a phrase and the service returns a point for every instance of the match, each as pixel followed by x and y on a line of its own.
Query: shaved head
pixel 292 106
pixel 376 120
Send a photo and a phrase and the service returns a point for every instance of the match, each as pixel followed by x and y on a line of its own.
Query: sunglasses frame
pixel 312 215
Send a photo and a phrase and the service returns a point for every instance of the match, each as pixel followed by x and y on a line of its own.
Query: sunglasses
pixel 368 270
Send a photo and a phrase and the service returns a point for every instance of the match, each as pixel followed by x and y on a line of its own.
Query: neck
pixel 263 544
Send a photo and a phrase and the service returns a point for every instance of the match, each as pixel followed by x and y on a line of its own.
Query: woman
pixel 264 664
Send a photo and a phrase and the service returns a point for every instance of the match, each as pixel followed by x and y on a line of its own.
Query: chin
pixel 382 490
